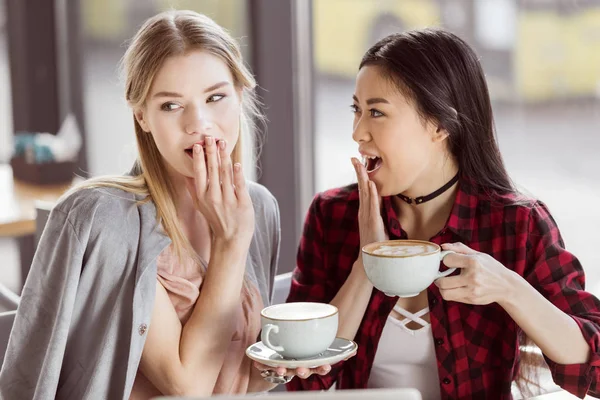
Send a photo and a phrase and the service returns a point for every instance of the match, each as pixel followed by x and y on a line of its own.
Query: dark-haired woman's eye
pixel 375 113
pixel 354 108
pixel 169 106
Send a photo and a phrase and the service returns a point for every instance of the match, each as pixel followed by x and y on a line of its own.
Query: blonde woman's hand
pixel 220 193
pixel 301 373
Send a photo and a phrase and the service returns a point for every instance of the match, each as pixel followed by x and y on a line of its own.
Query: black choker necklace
pixel 423 199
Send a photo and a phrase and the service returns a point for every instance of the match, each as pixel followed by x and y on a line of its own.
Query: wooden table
pixel 17 211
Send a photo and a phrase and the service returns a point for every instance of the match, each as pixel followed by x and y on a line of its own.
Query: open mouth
pixel 372 163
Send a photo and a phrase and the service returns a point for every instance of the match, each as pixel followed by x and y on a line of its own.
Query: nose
pixel 197 122
pixel 361 134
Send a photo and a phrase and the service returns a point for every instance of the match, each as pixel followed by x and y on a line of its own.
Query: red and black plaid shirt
pixel 477 347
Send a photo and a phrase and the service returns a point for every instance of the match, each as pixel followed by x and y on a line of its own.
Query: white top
pixel 406 358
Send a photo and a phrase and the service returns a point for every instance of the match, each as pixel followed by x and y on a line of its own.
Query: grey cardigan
pixel 87 302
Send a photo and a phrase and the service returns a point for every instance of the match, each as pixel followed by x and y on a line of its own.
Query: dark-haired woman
pixel 431 170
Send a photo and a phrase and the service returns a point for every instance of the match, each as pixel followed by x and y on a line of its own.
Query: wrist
pixel 512 296
pixel 258 383
pixel 233 247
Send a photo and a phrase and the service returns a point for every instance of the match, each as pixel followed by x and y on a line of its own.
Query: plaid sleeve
pixel 559 276
pixel 310 283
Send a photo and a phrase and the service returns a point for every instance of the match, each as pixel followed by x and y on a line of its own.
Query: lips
pixel 372 163
pixel 190 150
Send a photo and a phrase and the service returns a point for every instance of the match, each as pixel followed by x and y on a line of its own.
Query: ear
pixel 140 118
pixel 440 134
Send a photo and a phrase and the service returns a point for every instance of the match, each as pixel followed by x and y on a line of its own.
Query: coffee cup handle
pixel 268 329
pixel 448 271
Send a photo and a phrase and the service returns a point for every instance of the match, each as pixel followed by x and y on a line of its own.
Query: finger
pixel 281 371
pixel 260 366
pixel 322 370
pixel 226 172
pixel 451 282
pixel 362 184
pixel 212 164
pixel 199 169
pixel 303 372
pixel 455 260
pixel 459 248
pixel 364 176
pixel 458 294
pixel 374 200
pixel 241 191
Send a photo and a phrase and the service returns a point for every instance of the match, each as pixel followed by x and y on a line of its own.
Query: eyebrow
pixel 175 94
pixel 374 100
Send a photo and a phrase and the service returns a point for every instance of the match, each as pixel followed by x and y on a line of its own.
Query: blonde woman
pixel 152 283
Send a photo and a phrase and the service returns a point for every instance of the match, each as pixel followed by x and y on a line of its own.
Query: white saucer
pixel 340 349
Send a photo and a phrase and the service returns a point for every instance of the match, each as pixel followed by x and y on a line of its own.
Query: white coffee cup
pixel 299 330
pixel 403 268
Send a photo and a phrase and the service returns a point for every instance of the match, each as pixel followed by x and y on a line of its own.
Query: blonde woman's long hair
pixel 168 34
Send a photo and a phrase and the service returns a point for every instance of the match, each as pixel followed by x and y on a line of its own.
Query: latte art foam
pixel 409 249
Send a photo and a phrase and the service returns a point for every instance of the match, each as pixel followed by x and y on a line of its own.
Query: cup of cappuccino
pixel 403 268
pixel 299 330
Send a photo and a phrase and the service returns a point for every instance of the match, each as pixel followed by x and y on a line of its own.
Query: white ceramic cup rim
pixel 334 311
pixel 369 248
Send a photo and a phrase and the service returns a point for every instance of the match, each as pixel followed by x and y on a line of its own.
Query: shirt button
pixel 446 381
pixel 434 301
pixel 439 341
pixel 142 329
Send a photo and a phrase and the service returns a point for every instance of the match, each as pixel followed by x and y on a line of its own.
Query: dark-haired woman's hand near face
pixel 353 297
pixel 370 223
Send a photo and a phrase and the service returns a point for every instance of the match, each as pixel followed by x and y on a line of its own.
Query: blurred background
pixel 541 58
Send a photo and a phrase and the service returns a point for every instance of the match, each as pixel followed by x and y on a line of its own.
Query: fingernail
pixel 237 167
pixel 222 144
pixel 197 148
pixel 209 140
pixel 302 374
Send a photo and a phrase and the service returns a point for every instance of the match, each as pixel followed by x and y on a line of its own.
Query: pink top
pixel 182 282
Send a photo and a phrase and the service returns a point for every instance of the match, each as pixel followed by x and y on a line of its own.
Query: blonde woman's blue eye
pixel 169 106
pixel 215 97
